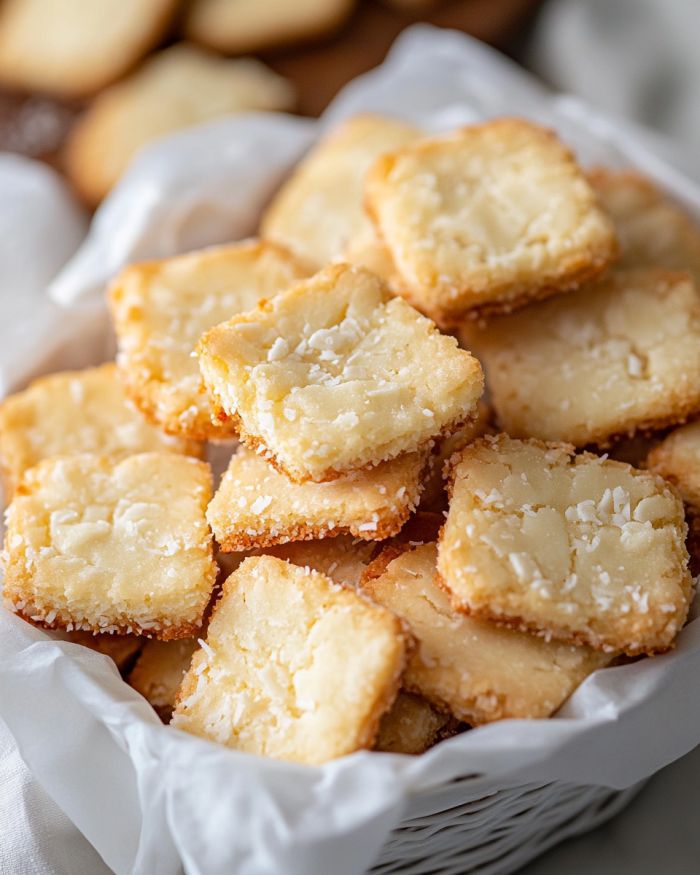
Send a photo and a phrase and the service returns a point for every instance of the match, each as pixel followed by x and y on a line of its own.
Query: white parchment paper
pixel 152 799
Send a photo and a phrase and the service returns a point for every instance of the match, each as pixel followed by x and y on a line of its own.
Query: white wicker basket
pixel 451 831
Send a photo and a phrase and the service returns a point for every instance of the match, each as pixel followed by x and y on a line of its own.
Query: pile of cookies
pixel 387 558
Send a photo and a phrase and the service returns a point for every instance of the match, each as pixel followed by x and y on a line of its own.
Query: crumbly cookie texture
pixel 411 726
pixel 122 649
pixel 488 218
pixel 248 26
pixel 652 230
pixel 677 458
pixel 294 666
pixel 72 49
pixel 342 559
pixel 174 89
pixel 161 309
pixel 332 376
pixel 477 670
pixel 159 671
pixel 569 546
pixel 112 546
pixel 614 357
pixel 256 506
pixel 318 211
pixel 434 495
pixel 75 412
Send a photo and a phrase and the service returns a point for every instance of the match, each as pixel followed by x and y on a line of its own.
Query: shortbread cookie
pixel 176 88
pixel 294 666
pixel 112 546
pixel 433 494
pixel 239 27
pixel 342 559
pixel 75 412
pixel 319 209
pixel 335 375
pixel 122 649
pixel 677 458
pixel 652 230
pixel 488 218
pixel 615 357
pixel 411 726
pixel 161 309
pixel 256 506
pixel 576 547
pixel 73 48
pixel 159 671
pixel 478 671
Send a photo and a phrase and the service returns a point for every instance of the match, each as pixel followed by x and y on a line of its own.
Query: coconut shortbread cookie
pixel 433 494
pixel 112 546
pixel 411 726
pixel 75 412
pixel 488 218
pixel 478 671
pixel 342 559
pixel 161 309
pixel 318 211
pixel 335 375
pixel 73 48
pixel 652 230
pixel 576 547
pixel 159 671
pixel 617 356
pixel 256 506
pixel 294 666
pixel 174 89
pixel 247 26
pixel 677 458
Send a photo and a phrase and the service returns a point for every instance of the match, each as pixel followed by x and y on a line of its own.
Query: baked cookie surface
pixel 575 547
pixel 488 218
pixel 159 671
pixel 471 667
pixel 652 230
pixel 102 545
pixel 256 506
pixel 160 310
pixel 174 89
pixel 615 357
pixel 258 25
pixel 332 376
pixel 342 559
pixel 411 726
pixel 677 458
pixel 318 211
pixel 75 412
pixel 72 48
pixel 294 667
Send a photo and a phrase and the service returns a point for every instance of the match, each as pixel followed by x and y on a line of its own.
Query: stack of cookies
pixel 388 558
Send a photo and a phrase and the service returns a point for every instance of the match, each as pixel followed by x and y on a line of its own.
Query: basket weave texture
pixel 449 831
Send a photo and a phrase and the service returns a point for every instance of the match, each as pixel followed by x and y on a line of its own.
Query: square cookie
pixel 161 309
pixel 159 671
pixel 319 209
pixel 412 726
pixel 610 359
pixel 112 546
pixel 471 667
pixel 256 506
pixel 488 218
pixel 331 376
pixel 75 412
pixel 677 458
pixel 294 667
pixel 652 230
pixel 569 546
